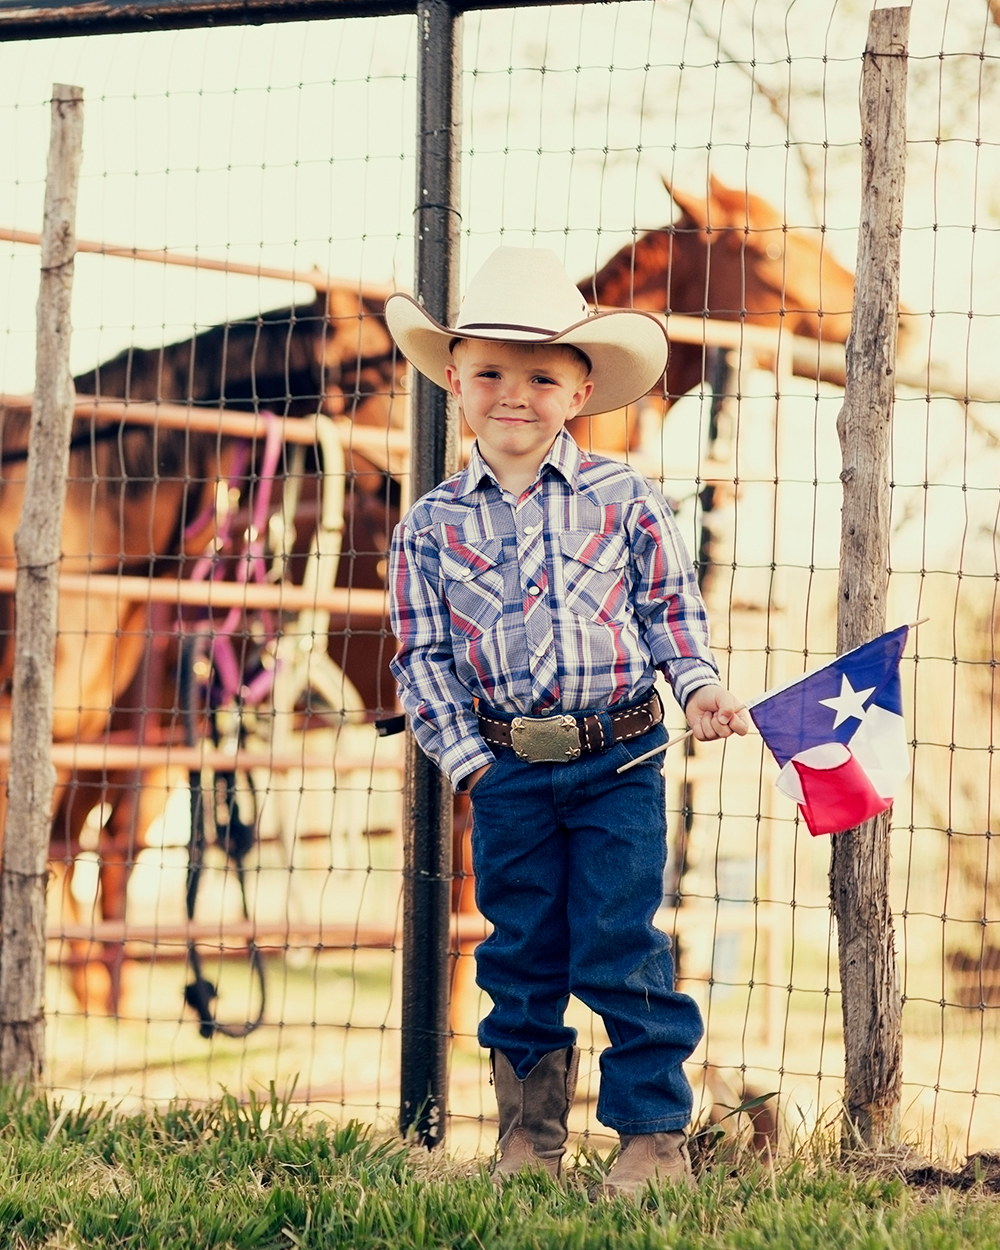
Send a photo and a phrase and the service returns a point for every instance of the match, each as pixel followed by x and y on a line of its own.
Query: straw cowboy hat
pixel 524 295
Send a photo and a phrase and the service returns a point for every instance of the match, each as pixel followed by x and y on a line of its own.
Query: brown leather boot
pixel 534 1112
pixel 643 1158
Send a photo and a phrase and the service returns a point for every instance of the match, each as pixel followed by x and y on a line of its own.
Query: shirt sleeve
pixel 668 602
pixel 440 708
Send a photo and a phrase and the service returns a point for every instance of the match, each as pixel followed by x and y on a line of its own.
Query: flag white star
pixel 849 702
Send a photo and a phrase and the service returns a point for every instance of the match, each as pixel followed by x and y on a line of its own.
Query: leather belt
pixel 561 739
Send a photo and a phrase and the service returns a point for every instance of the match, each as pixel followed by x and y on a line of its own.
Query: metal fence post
pixel 859 866
pixel 428 820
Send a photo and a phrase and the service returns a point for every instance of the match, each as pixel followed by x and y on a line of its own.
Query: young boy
pixel 535 594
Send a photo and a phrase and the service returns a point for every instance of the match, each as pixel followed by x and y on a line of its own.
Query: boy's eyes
pixel 541 379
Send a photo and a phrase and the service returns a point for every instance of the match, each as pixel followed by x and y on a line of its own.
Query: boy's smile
pixel 516 398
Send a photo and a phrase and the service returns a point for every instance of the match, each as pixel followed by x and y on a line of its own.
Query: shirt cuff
pixel 686 676
pixel 465 770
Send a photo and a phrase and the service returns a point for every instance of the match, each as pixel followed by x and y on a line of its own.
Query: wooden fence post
pixel 859 868
pixel 37 543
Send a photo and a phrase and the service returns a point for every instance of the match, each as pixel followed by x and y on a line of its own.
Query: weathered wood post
pixel 859 868
pixel 37 543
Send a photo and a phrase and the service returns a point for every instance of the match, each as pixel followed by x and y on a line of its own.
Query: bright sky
pixel 292 146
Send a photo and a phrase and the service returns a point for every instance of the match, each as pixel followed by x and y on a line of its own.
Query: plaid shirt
pixel 566 599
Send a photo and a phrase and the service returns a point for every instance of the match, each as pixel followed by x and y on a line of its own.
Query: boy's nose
pixel 515 395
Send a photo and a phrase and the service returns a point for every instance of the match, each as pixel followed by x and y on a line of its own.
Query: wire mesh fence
pixel 222 606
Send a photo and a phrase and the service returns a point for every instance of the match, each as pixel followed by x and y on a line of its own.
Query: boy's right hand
pixel 473 778
pixel 712 712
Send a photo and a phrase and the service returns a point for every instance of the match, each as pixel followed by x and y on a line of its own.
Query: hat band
pixel 502 325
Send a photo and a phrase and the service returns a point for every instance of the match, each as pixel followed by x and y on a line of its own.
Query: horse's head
pixel 756 266
pixel 362 371
pixel 730 257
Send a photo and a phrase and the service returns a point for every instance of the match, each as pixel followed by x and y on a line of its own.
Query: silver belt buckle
pixel 545 739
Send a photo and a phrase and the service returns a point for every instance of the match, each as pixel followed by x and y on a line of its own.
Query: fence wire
pixel 699 160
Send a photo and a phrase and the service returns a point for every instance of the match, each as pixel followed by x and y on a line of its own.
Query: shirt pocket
pixel 473 584
pixel 594 573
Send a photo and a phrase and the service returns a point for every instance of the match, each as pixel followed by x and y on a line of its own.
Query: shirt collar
pixel 564 456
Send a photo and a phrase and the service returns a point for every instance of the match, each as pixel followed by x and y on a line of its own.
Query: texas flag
pixel 839 735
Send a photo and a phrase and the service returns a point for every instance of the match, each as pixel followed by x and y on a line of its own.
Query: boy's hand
pixel 713 712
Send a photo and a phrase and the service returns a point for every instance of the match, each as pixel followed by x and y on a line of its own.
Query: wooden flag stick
pixel 648 755
pixel 639 759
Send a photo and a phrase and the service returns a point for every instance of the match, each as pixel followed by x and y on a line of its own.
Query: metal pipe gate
pixel 427 822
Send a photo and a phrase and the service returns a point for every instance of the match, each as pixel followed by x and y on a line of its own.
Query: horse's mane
pixel 288 361
pixel 264 362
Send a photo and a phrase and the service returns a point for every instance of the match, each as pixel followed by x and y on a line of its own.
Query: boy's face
pixel 516 398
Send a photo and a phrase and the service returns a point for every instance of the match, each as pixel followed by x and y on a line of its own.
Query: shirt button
pixel 530 529
pixel 540 651
pixel 534 590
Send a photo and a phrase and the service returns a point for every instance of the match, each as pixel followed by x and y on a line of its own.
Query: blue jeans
pixel 569 863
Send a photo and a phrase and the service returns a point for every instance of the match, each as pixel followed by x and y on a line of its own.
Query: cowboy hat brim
pixel 627 348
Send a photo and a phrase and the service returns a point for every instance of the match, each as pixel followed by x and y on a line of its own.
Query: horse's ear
pixel 728 204
pixel 721 209
pixel 341 303
pixel 352 328
pixel 738 208
pixel 690 205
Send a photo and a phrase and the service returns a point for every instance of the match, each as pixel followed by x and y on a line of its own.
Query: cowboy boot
pixel 534 1112
pixel 643 1158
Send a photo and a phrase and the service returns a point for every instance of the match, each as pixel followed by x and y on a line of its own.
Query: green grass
pixel 250 1177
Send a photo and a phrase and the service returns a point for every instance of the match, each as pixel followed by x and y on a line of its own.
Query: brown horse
pixel 729 257
pixel 144 503
pixel 333 356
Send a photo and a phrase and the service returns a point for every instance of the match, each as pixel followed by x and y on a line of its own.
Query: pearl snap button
pixel 534 590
